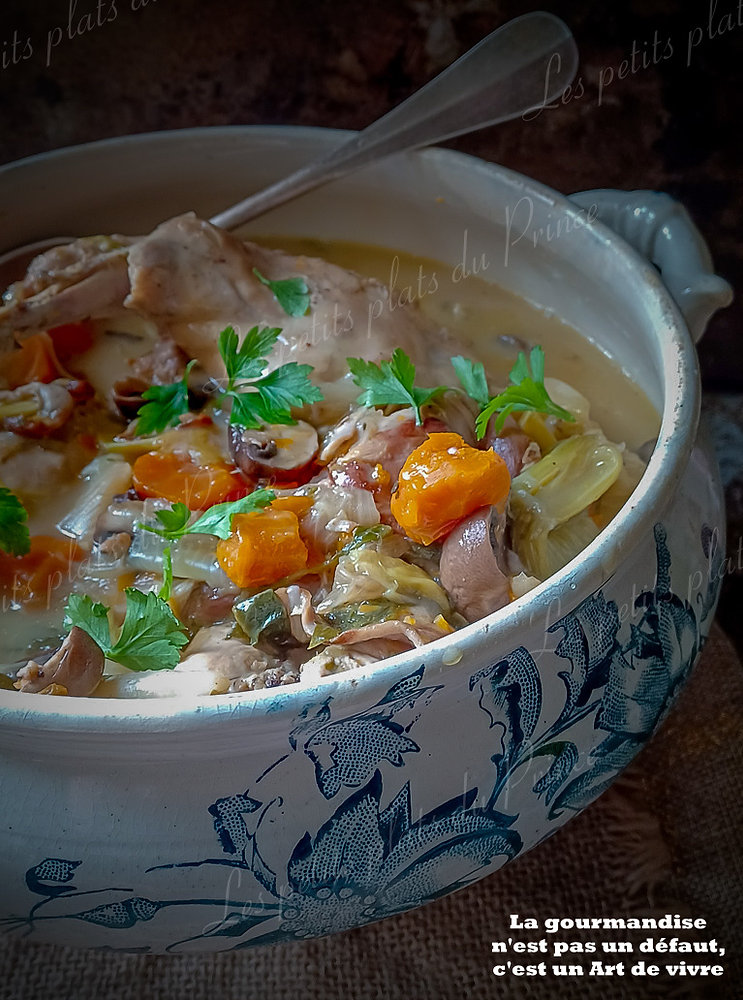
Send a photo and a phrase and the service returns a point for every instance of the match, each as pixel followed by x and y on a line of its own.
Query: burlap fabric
pixel 666 838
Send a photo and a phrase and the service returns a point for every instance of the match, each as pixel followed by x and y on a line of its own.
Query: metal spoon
pixel 522 66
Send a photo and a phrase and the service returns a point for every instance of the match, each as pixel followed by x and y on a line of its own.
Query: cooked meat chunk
pixel 163 365
pixel 68 283
pixel 511 446
pixel 227 659
pixel 193 279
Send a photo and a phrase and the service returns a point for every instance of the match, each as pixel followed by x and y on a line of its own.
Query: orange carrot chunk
pixel 443 481
pixel 263 547
pixel 298 504
pixel 176 478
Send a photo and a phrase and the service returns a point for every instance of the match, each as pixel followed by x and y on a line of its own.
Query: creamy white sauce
pixel 489 321
pixel 483 316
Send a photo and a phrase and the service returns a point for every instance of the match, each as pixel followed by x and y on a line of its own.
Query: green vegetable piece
pixel 350 616
pixel 549 501
pixel 323 632
pixel 262 616
pixel 292 294
pixel 472 376
pixel 151 636
pixel 14 536
pixel 391 383
pixel 259 399
pixel 368 535
pixel 526 392
pixel 165 404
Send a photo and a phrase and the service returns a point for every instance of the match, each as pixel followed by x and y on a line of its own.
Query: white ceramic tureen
pixel 264 817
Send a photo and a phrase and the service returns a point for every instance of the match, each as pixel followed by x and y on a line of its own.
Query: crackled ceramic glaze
pixel 245 820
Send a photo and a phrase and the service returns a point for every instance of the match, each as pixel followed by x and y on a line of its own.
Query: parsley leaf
pixel 216 521
pixel 14 536
pixel 150 638
pixel 391 383
pixel 292 294
pixel 174 521
pixel 165 404
pixel 472 376
pixel 526 392
pixel 245 361
pixel 89 616
pixel 262 399
pixel 269 400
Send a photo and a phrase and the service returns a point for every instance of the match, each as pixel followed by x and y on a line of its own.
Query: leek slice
pixel 609 505
pixel 104 477
pixel 548 501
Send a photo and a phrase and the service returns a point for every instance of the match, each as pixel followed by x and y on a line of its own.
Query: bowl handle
pixel 660 228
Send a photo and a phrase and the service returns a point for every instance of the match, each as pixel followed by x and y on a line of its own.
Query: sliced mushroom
pixel 76 666
pixel 277 451
pixel 37 408
pixel 470 569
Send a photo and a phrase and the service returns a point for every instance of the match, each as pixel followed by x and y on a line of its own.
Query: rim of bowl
pixel 630 527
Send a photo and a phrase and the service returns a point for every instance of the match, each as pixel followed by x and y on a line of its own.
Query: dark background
pixel 673 123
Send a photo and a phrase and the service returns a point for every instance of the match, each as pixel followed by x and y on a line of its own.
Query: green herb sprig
pixel 151 637
pixel 472 376
pixel 526 391
pixel 165 404
pixel 215 521
pixel 392 383
pixel 259 399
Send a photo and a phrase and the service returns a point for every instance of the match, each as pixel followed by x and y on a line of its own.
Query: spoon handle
pixel 521 66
